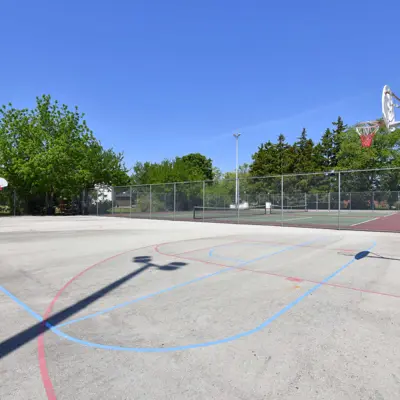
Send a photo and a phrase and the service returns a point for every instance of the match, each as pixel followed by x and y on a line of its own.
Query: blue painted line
pixel 129 302
pixel 195 345
pixel 23 305
pixel 243 262
pixel 211 254
pixel 147 296
pixel 268 245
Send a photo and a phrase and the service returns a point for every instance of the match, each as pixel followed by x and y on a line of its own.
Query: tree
pixel 327 151
pixel 338 132
pixel 384 152
pixel 273 158
pixel 325 154
pixel 192 167
pixel 303 151
pixel 188 171
pixel 221 193
pixel 285 156
pixel 49 153
pixel 199 164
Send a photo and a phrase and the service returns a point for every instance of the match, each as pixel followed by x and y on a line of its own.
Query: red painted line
pixel 44 372
pixel 293 279
pixel 47 383
pixel 284 276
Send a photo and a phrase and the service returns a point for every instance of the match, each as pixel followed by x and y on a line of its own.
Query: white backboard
pixel 3 183
pixel 388 109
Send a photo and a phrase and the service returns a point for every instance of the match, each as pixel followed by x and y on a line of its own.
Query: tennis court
pixel 370 220
pixel 302 217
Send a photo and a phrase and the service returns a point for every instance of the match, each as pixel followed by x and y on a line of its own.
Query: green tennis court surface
pixel 319 219
pixel 373 220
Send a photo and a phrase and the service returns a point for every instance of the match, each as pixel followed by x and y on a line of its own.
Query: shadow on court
pixel 15 342
pixel 369 254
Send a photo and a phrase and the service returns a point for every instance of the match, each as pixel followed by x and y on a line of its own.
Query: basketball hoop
pixel 3 183
pixel 367 131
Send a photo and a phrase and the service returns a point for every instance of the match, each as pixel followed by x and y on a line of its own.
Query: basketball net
pixel 367 131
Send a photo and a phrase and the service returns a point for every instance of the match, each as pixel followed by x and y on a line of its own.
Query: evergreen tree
pixel 264 160
pixel 285 159
pixel 303 150
pixel 337 138
pixel 326 154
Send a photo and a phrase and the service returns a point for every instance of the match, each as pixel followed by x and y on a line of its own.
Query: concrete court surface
pixel 140 309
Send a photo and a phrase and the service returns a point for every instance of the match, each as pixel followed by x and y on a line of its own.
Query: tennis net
pixel 276 209
pixel 226 213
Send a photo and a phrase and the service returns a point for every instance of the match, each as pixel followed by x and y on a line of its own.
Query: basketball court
pixel 113 308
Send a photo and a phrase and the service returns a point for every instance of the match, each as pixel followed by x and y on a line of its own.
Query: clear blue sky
pixel 160 78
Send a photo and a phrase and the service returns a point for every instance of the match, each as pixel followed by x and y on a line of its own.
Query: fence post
pixel 174 200
pixel 150 200
pixel 316 201
pixel 130 201
pixel 15 202
pixel 282 200
pixel 112 200
pixel 339 199
pixel 204 196
pixel 350 201
pixel 329 201
pixel 97 201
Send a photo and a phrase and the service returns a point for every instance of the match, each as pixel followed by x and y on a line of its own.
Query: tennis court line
pixel 295 219
pixel 364 222
pixel 389 215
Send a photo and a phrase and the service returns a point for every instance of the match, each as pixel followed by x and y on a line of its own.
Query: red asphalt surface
pixel 389 223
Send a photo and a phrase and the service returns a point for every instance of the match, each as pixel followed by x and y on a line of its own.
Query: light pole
pixel 236 136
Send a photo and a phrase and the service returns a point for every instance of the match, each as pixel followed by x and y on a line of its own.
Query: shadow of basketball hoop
pixel 147 261
pixel 361 255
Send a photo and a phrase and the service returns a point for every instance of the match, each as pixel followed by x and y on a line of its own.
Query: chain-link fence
pixel 8 204
pixel 363 199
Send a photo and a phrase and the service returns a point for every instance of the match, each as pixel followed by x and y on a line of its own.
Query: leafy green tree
pixel 189 171
pixel 200 165
pixel 383 153
pixel 221 193
pixel 49 152
pixel 193 167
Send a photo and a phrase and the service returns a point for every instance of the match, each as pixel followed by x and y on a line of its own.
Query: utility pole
pixel 236 136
